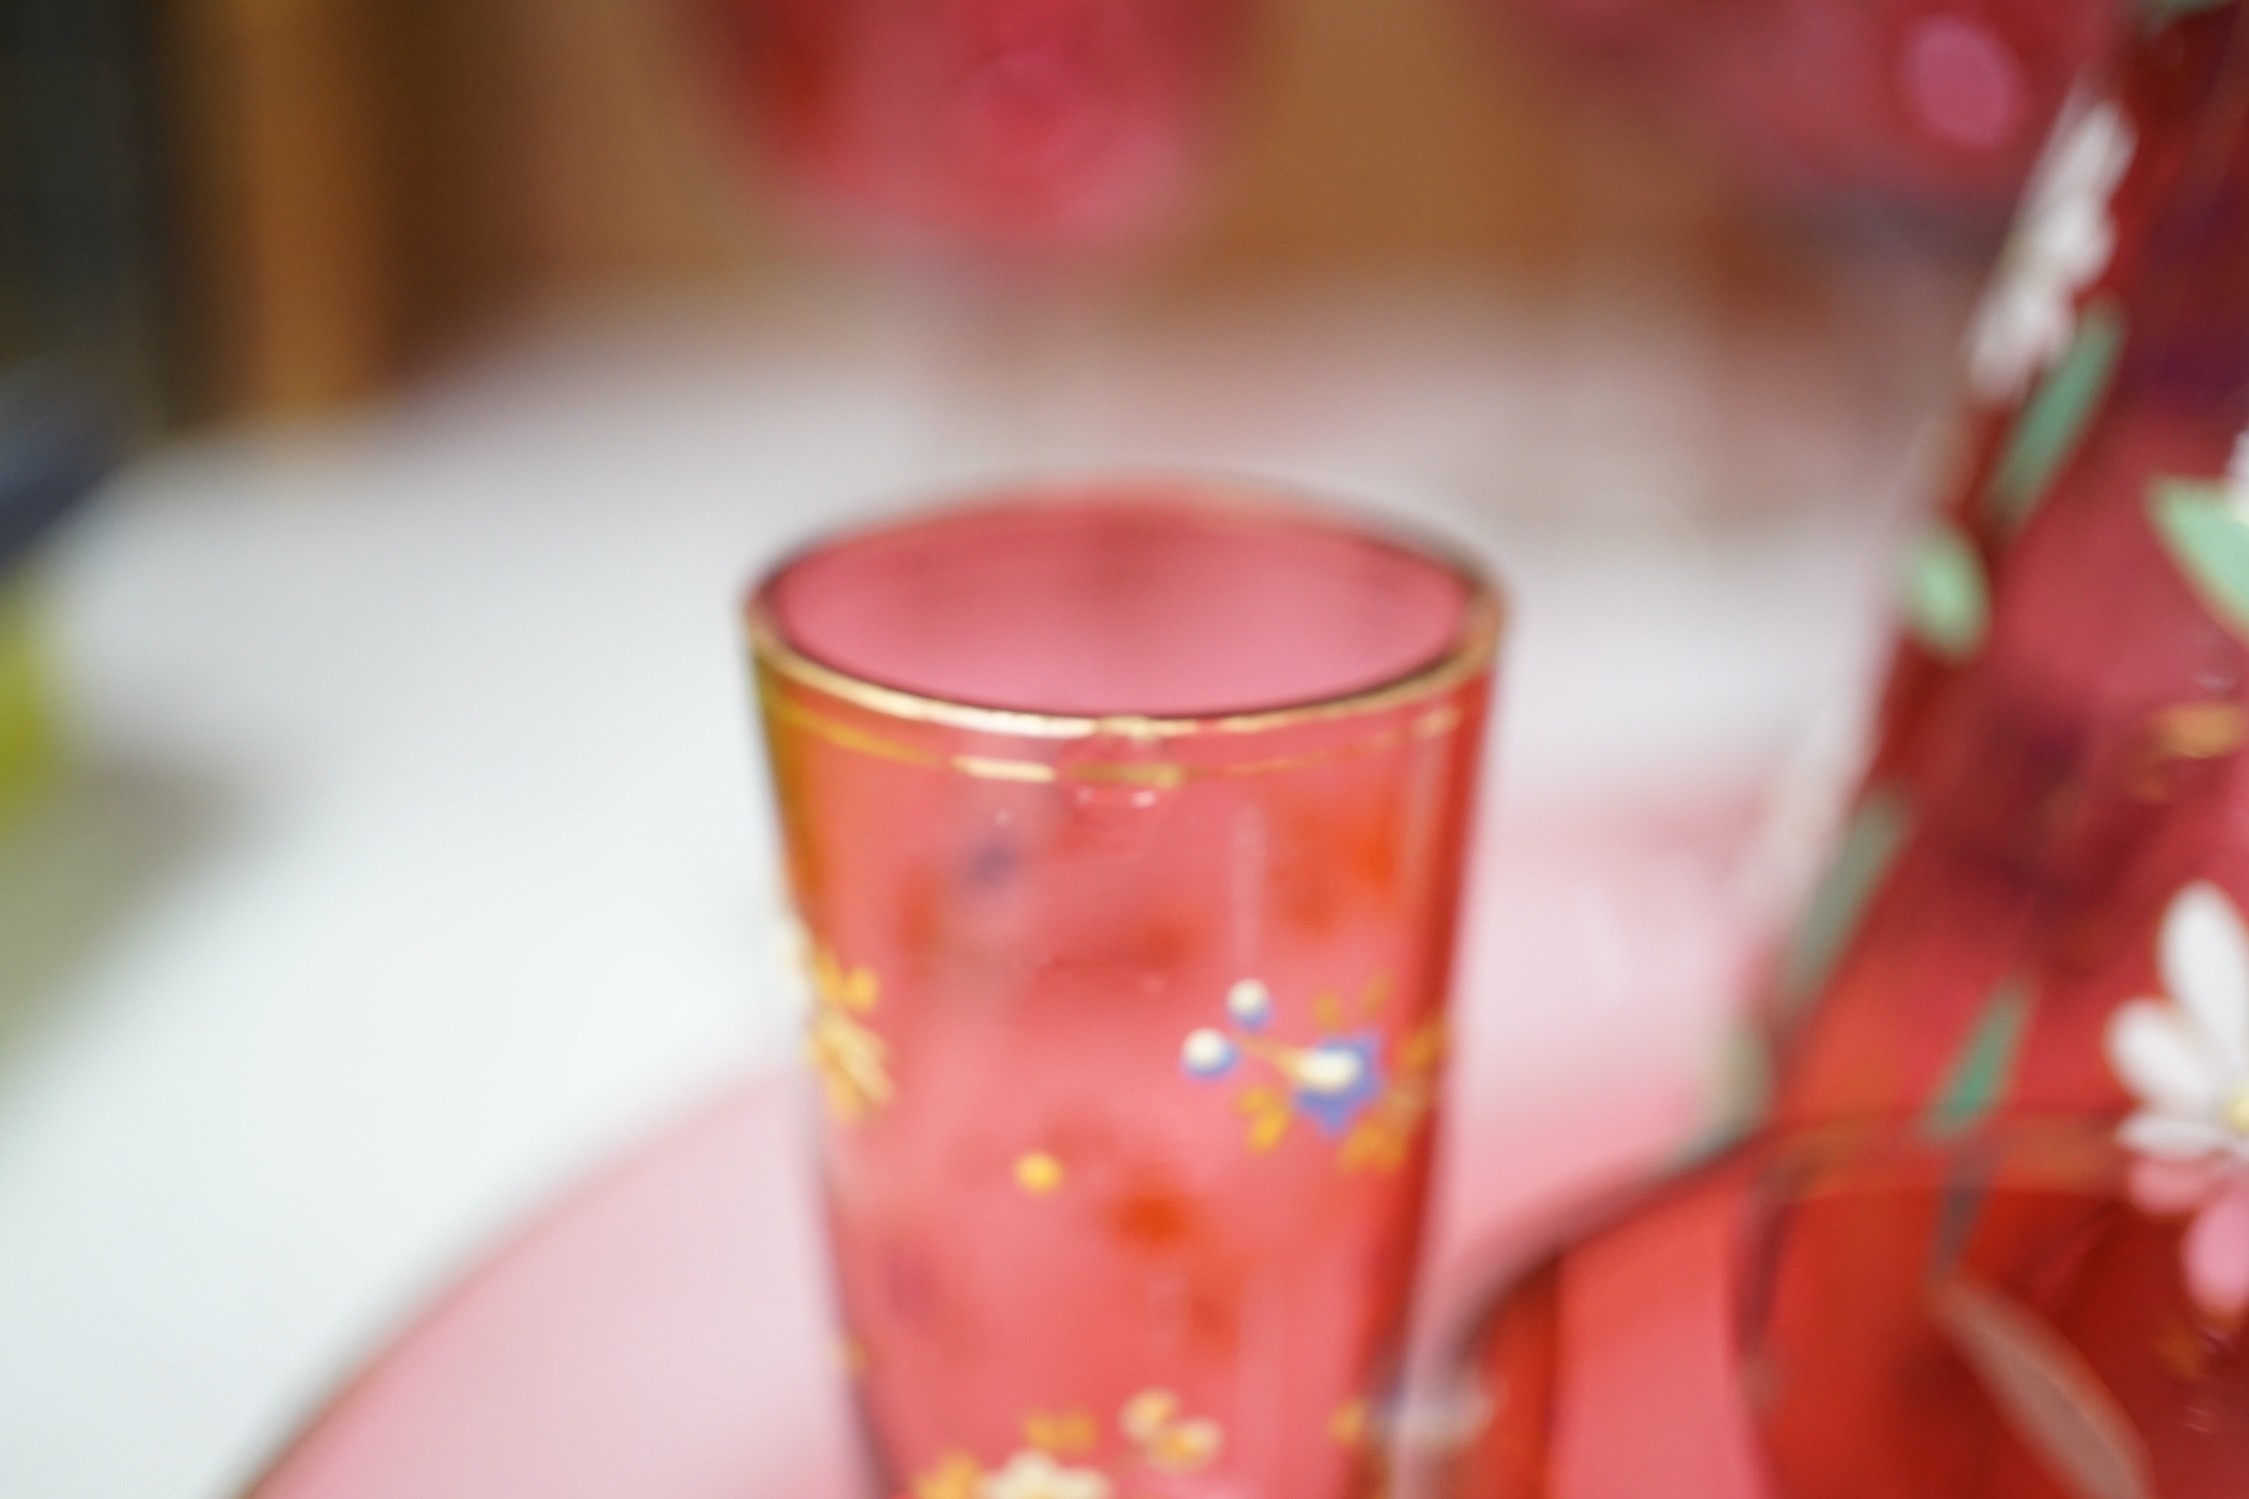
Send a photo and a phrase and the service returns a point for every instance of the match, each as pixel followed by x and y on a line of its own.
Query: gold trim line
pixel 1471 651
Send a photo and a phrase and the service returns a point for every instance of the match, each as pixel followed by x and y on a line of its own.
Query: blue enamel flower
pixel 1333 1082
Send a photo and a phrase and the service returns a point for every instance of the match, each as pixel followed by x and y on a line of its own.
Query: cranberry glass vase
pixel 1994 1236
pixel 1016 128
pixel 1125 823
pixel 2036 904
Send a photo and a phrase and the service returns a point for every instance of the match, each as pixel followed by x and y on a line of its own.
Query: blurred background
pixel 394 396
pixel 264 208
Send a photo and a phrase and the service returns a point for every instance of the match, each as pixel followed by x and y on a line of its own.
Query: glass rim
pixel 1470 650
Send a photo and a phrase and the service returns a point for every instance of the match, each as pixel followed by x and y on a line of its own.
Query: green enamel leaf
pixel 2046 430
pixel 1980 1074
pixel 1946 605
pixel 1962 1205
pixel 2208 538
pixel 1870 843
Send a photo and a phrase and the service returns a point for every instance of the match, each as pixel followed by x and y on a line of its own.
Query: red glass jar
pixel 1994 1237
pixel 2055 820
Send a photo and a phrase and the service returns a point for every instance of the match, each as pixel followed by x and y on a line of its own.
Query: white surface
pixel 420 851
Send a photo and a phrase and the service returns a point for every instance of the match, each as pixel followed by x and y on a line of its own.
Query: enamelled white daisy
pixel 2062 242
pixel 2185 1060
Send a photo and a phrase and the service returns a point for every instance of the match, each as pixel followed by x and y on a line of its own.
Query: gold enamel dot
pixel 1038 1173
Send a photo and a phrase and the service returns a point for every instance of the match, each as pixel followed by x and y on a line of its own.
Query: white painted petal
pixel 2069 127
pixel 2159 1054
pixel 2118 141
pixel 2099 244
pixel 1250 1003
pixel 2205 955
pixel 2094 152
pixel 1994 352
pixel 2077 244
pixel 1328 1069
pixel 2047 327
pixel 2024 322
pixel 2171 1137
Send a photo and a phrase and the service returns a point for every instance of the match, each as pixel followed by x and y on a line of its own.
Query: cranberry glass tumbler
pixel 1126 824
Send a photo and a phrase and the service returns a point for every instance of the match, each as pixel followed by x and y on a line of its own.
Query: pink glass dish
pixel 658 1333
pixel 1125 820
pixel 663 1331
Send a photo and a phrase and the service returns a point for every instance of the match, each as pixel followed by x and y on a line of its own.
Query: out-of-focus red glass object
pixel 1940 103
pixel 2055 822
pixel 1861 1316
pixel 1018 128
pixel 1125 821
pixel 2027 968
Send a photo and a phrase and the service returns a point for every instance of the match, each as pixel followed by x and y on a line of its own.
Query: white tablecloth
pixel 417 852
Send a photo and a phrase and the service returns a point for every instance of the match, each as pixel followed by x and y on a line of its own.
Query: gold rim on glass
pixel 1472 649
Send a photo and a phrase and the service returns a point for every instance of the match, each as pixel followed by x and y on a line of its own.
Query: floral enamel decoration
pixel 1338 1082
pixel 1039 1173
pixel 2185 1060
pixel 1872 840
pixel 1154 1423
pixel 2204 525
pixel 1058 1433
pixel 851 1060
pixel 955 1476
pixel 1169 1440
pixel 1348 1426
pixel 1384 1136
pixel 1037 1475
pixel 1945 602
pixel 2049 426
pixel 1029 1474
pixel 1980 1074
pixel 2061 246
